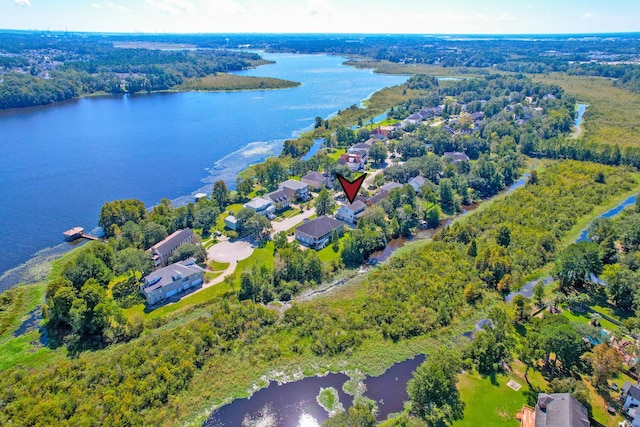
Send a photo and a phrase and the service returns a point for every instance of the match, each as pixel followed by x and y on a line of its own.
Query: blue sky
pixel 327 16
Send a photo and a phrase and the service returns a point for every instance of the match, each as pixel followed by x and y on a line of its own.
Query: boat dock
pixel 77 233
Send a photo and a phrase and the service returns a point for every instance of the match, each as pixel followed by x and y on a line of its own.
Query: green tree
pixel 188 250
pixel 133 260
pixel 538 293
pixel 432 217
pixel 378 153
pixel 576 263
pixel 335 241
pixel 279 240
pixel 114 215
pixel 318 122
pixel 605 362
pixel 152 233
pixel 85 267
pixel 504 236
pixel 220 193
pixel 205 216
pixel 447 201
pixel 621 285
pixel 358 415
pixel 432 389
pixel 324 203
pixel 244 186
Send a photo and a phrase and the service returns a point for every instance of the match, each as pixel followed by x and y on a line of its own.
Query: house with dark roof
pixel 296 190
pixel 318 232
pixel 280 199
pixel 554 410
pixel 456 156
pixel 171 280
pixel 351 212
pixel 317 180
pixel 161 251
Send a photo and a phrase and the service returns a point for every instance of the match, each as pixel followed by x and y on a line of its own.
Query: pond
pixel 294 404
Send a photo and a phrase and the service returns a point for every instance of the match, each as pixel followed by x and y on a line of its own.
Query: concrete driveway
pixel 230 252
pixel 290 222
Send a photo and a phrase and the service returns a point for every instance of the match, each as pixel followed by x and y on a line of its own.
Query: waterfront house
pixel 352 212
pixel 317 233
pixel 554 410
pixel 171 280
pixel 161 251
pixel 296 190
pixel 630 395
pixel 317 180
pixel 231 222
pixel 261 206
pixel 280 200
pixel 456 156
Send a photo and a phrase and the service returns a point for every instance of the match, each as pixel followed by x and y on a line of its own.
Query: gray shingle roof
pixel 356 206
pixel 293 184
pixel 171 241
pixel 169 274
pixel 560 410
pixel 631 390
pixel 320 226
pixel 390 186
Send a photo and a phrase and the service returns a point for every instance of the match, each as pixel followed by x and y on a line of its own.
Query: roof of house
pixel 294 185
pixel 356 206
pixel 457 156
pixel 320 226
pixel 560 410
pixel 361 146
pixel 350 158
pixel 172 240
pixel 257 203
pixel 278 196
pixel 231 219
pixel 314 176
pixel 631 390
pixel 390 186
pixel 417 180
pixel 169 274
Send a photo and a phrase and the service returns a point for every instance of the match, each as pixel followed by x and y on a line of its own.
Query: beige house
pixel 318 232
pixel 162 250
pixel 171 280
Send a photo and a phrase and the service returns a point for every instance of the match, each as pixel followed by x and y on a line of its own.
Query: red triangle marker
pixel 351 187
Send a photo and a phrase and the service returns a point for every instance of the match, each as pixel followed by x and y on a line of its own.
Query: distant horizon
pixel 435 35
pixel 415 17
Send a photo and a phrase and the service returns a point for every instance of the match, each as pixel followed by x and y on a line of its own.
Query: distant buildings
pixel 171 280
pixel 318 232
pixel 417 182
pixel 161 251
pixel 386 188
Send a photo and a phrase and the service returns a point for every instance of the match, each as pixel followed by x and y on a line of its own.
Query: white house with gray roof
pixel 296 190
pixel 318 232
pixel 171 280
pixel 352 212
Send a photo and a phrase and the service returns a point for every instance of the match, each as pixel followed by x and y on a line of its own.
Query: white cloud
pixel 22 2
pixel 481 17
pixel 320 7
pixel 171 7
pixel 587 15
pixel 95 5
pixel 118 7
pixel 505 17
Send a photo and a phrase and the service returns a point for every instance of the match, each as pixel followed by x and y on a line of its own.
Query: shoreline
pixel 24 270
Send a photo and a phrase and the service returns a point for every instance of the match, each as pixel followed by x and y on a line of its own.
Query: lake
pixel 62 162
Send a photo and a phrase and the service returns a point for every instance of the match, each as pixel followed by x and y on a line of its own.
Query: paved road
pixel 290 222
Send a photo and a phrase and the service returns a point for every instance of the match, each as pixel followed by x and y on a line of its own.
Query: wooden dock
pixel 89 237
pixel 77 233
